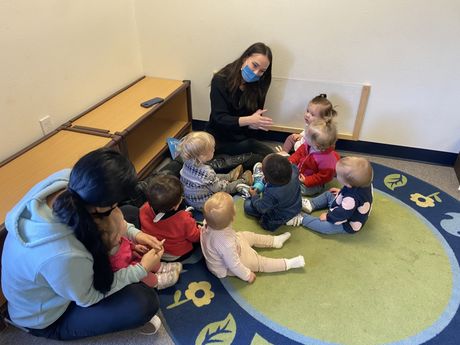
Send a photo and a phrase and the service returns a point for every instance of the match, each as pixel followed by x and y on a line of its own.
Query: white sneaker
pixel 306 205
pixel 167 279
pixel 151 327
pixel 243 189
pixel 170 267
pixel 295 221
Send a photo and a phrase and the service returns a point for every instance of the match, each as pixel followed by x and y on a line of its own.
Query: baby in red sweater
pixel 316 158
pixel 164 216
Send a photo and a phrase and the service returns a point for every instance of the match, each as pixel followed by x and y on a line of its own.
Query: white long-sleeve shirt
pixel 221 249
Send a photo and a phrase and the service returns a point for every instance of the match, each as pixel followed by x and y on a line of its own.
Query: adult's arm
pixel 221 107
pixel 223 114
pixel 71 277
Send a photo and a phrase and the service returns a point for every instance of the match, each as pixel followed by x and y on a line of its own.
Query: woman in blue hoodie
pixel 56 273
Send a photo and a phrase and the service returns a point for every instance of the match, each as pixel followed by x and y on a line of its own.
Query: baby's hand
pixel 140 249
pixel 279 150
pixel 252 191
pixel 302 178
pixel 334 190
pixel 296 136
pixel 252 278
pixel 323 216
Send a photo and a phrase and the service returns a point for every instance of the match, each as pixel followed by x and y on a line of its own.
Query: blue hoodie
pixel 44 266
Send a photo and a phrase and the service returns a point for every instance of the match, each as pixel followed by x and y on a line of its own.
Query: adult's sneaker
pixel 151 327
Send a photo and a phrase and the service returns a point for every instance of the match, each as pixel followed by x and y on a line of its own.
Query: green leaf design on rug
pixel 394 181
pixel 258 340
pixel 222 332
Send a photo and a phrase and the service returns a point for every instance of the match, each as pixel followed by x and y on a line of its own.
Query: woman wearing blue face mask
pixel 237 105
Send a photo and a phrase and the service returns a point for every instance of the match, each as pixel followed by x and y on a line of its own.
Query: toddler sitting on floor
pixel 230 253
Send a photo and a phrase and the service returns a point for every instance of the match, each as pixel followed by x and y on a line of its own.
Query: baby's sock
pixel 279 240
pixel 296 262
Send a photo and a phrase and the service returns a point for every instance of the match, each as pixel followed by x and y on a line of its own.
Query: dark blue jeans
pixel 324 227
pixel 131 307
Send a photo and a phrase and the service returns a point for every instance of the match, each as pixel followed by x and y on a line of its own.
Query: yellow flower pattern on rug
pixel 425 201
pixel 198 292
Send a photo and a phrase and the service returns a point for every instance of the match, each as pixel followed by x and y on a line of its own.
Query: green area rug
pixel 394 282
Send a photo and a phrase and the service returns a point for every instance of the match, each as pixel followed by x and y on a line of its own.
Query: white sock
pixel 279 240
pixel 296 262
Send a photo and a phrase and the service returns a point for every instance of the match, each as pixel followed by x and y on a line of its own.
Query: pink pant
pixel 251 259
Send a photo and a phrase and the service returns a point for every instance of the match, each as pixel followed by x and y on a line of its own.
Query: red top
pixel 180 230
pixel 124 256
pixel 317 167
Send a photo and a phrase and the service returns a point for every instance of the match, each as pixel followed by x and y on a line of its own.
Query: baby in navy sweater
pixel 349 207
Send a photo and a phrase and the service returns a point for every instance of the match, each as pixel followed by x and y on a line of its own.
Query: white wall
pixel 58 57
pixel 406 49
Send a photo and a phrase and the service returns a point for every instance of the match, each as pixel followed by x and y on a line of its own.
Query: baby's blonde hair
pixel 219 210
pixel 196 144
pixel 356 171
pixel 322 134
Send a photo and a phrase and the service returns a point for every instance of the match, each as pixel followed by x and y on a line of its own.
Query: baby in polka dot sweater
pixel 349 207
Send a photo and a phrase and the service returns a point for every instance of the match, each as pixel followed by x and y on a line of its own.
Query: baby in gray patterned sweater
pixel 200 181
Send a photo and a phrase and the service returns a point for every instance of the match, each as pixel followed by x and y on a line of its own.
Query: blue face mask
pixel 248 75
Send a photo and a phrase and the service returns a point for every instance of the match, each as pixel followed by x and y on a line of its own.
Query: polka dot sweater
pixel 351 208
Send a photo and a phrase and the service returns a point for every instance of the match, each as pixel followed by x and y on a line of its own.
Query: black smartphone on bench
pixel 152 102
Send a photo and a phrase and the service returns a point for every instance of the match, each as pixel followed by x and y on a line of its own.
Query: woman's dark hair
pixel 163 192
pixel 101 178
pixel 253 96
pixel 277 169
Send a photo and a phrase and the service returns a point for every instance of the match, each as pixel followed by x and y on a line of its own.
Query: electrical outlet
pixel 46 124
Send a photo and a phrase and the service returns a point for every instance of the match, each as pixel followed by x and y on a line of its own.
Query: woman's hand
pixel 256 120
pixel 151 259
pixel 323 217
pixel 149 241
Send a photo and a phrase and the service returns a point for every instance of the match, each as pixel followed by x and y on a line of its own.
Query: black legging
pixel 257 148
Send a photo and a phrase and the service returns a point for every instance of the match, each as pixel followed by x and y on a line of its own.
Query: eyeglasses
pixel 105 213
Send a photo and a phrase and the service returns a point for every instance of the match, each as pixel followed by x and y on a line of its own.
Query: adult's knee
pixel 143 301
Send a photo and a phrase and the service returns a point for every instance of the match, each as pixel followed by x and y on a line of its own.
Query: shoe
pixel 306 205
pixel 295 221
pixel 167 279
pixel 257 172
pixel 170 267
pixel 151 327
pixel 235 173
pixel 247 177
pixel 258 177
pixel 243 189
